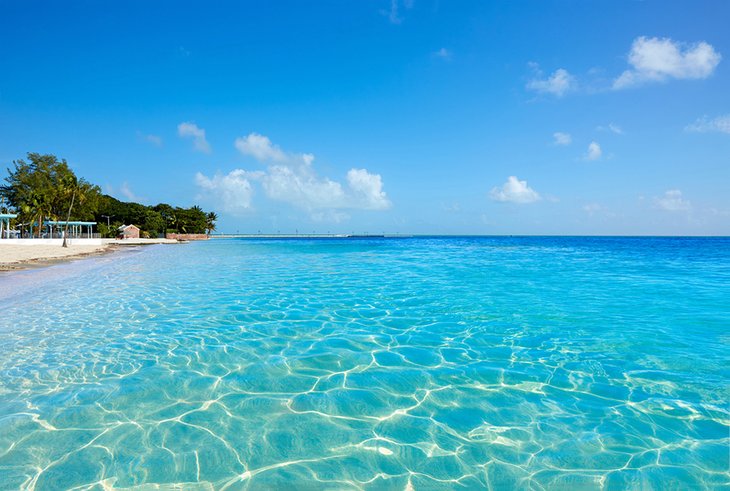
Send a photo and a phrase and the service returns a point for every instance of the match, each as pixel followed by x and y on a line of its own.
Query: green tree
pixel 35 208
pixel 153 223
pixel 43 187
pixel 167 213
pixel 210 220
pixel 191 220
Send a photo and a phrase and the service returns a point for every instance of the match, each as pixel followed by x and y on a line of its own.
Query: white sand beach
pixel 19 256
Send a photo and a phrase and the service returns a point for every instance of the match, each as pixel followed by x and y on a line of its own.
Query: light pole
pixel 108 225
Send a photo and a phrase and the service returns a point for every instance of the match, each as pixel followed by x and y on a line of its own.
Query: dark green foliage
pixel 43 187
pixel 154 220
pixel 210 220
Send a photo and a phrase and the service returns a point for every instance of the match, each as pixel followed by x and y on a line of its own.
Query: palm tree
pixel 210 219
pixel 69 185
pixel 38 209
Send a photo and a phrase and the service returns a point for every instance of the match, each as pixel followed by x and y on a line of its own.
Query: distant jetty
pixel 306 236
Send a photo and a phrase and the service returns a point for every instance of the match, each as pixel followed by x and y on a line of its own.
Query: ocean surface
pixel 405 364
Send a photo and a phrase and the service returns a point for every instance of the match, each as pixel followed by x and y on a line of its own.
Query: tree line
pixel 45 188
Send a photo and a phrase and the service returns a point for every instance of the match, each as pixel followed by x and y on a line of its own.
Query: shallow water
pixel 426 363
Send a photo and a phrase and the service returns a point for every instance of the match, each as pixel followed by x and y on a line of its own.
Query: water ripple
pixel 533 363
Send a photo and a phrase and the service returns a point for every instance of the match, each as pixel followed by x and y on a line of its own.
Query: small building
pixel 128 232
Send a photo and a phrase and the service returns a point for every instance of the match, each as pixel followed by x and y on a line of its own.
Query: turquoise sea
pixel 407 364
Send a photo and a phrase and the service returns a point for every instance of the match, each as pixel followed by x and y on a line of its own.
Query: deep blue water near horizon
pixel 409 364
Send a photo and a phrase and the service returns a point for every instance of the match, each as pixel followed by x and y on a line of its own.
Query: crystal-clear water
pixel 426 363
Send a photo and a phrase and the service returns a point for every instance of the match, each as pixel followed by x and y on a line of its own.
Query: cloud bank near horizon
pixel 291 178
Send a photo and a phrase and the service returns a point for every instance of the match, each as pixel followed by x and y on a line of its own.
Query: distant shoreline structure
pixel 306 236
pixel 435 236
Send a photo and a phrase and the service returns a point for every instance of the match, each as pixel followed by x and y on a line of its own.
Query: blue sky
pixel 384 116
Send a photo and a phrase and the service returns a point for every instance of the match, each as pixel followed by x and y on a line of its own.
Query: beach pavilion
pixel 5 224
pixel 76 230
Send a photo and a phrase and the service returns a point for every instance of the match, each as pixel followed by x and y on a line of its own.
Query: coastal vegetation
pixel 45 188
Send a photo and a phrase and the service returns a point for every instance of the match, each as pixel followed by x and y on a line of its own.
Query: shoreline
pixel 18 257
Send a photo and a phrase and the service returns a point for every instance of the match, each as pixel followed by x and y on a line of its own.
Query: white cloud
pixel 613 128
pixel 562 138
pixel 716 212
pixel 597 209
pixel 300 186
pixel 594 151
pixel 592 208
pixel 291 178
pixel 153 139
pixel 443 53
pixel 259 147
pixel 233 191
pixel 557 84
pixel 191 130
pixel 368 188
pixel 657 60
pixel 127 192
pixel 672 201
pixel 514 191
pixel 333 216
pixel 719 124
pixel 454 207
pixel 393 13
